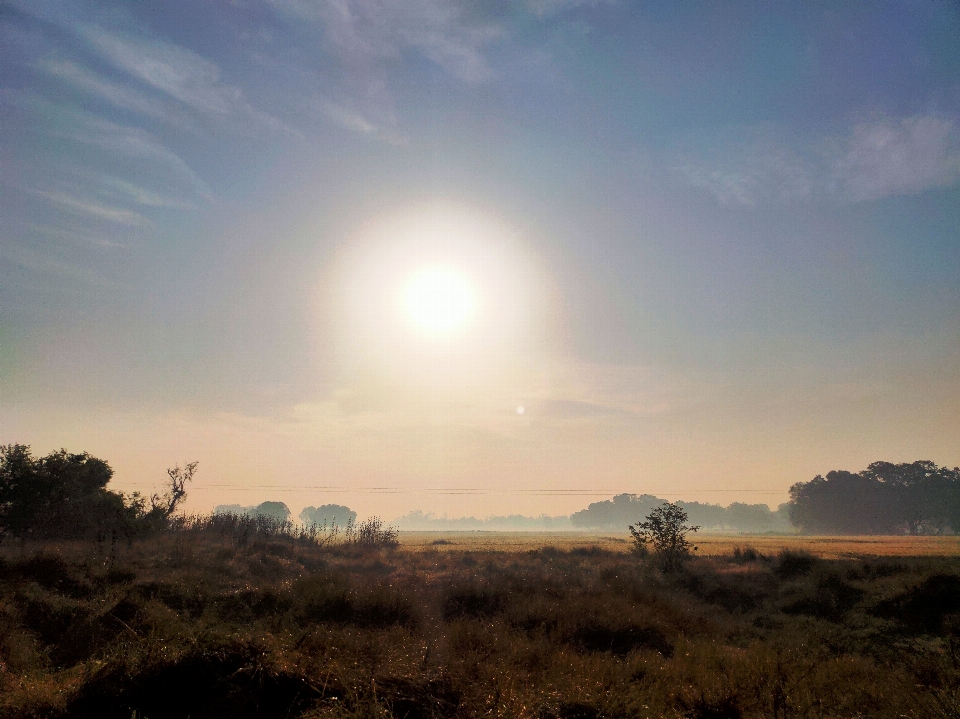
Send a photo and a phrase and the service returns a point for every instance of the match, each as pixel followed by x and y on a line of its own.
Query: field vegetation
pixel 118 606
pixel 237 617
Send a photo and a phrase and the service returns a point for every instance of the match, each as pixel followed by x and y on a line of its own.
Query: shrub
pixel 665 530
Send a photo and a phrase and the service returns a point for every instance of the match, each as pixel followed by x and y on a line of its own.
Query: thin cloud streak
pixel 368 32
pixel 873 160
pixel 99 211
pixel 121 96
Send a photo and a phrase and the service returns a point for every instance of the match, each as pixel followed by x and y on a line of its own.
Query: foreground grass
pixel 193 624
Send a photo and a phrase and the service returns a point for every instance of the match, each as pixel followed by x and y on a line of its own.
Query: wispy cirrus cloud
pixel 94 209
pixel 872 160
pixel 179 74
pixel 122 143
pixel 122 96
pixel 83 178
pixel 364 41
pixel 372 31
pixel 890 157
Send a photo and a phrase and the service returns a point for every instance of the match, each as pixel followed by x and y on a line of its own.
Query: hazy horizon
pixel 481 259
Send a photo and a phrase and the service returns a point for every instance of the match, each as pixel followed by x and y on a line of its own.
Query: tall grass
pixel 244 530
pixel 225 617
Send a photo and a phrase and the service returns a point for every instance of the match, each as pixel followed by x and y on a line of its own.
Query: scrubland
pixel 197 623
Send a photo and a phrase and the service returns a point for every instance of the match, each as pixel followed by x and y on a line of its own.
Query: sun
pixel 439 300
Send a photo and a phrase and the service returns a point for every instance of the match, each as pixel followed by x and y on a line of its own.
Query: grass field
pixel 844 547
pixel 194 624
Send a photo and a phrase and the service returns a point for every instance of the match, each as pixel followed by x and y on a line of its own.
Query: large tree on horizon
pixel 885 498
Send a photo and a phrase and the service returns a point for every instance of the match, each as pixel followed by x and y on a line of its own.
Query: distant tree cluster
pixel 328 515
pixel 65 496
pixel 623 509
pixel 885 498
pixel 277 511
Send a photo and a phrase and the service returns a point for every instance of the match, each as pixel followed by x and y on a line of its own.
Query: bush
pixel 665 530
pixel 61 495
pixel 65 496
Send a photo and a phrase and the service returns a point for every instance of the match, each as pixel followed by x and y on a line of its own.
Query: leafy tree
pixel 922 497
pixel 885 498
pixel 841 503
pixel 665 530
pixel 65 495
pixel 60 495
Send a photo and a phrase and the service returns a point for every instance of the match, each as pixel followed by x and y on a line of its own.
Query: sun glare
pixel 439 300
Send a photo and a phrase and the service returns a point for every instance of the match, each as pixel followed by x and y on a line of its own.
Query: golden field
pixel 708 544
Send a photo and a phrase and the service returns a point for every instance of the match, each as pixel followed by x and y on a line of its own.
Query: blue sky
pixel 716 245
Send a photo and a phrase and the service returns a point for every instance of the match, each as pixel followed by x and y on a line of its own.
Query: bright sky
pixel 710 249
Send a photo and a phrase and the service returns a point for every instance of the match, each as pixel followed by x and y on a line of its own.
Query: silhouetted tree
pixel 665 531
pixel 60 495
pixel 64 496
pixel 885 498
pixel 167 503
pixel 922 497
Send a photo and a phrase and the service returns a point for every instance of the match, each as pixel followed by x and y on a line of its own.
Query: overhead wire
pixel 476 491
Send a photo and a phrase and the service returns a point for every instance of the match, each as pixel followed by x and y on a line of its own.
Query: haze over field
pixel 481 258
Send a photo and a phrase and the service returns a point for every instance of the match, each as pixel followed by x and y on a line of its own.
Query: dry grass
pixel 194 625
pixel 709 545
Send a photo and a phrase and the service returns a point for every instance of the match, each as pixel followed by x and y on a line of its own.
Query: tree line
pixel 617 513
pixel 65 495
pixel 885 498
pixel 326 515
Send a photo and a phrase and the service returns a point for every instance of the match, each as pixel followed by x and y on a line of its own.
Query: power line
pixel 470 491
